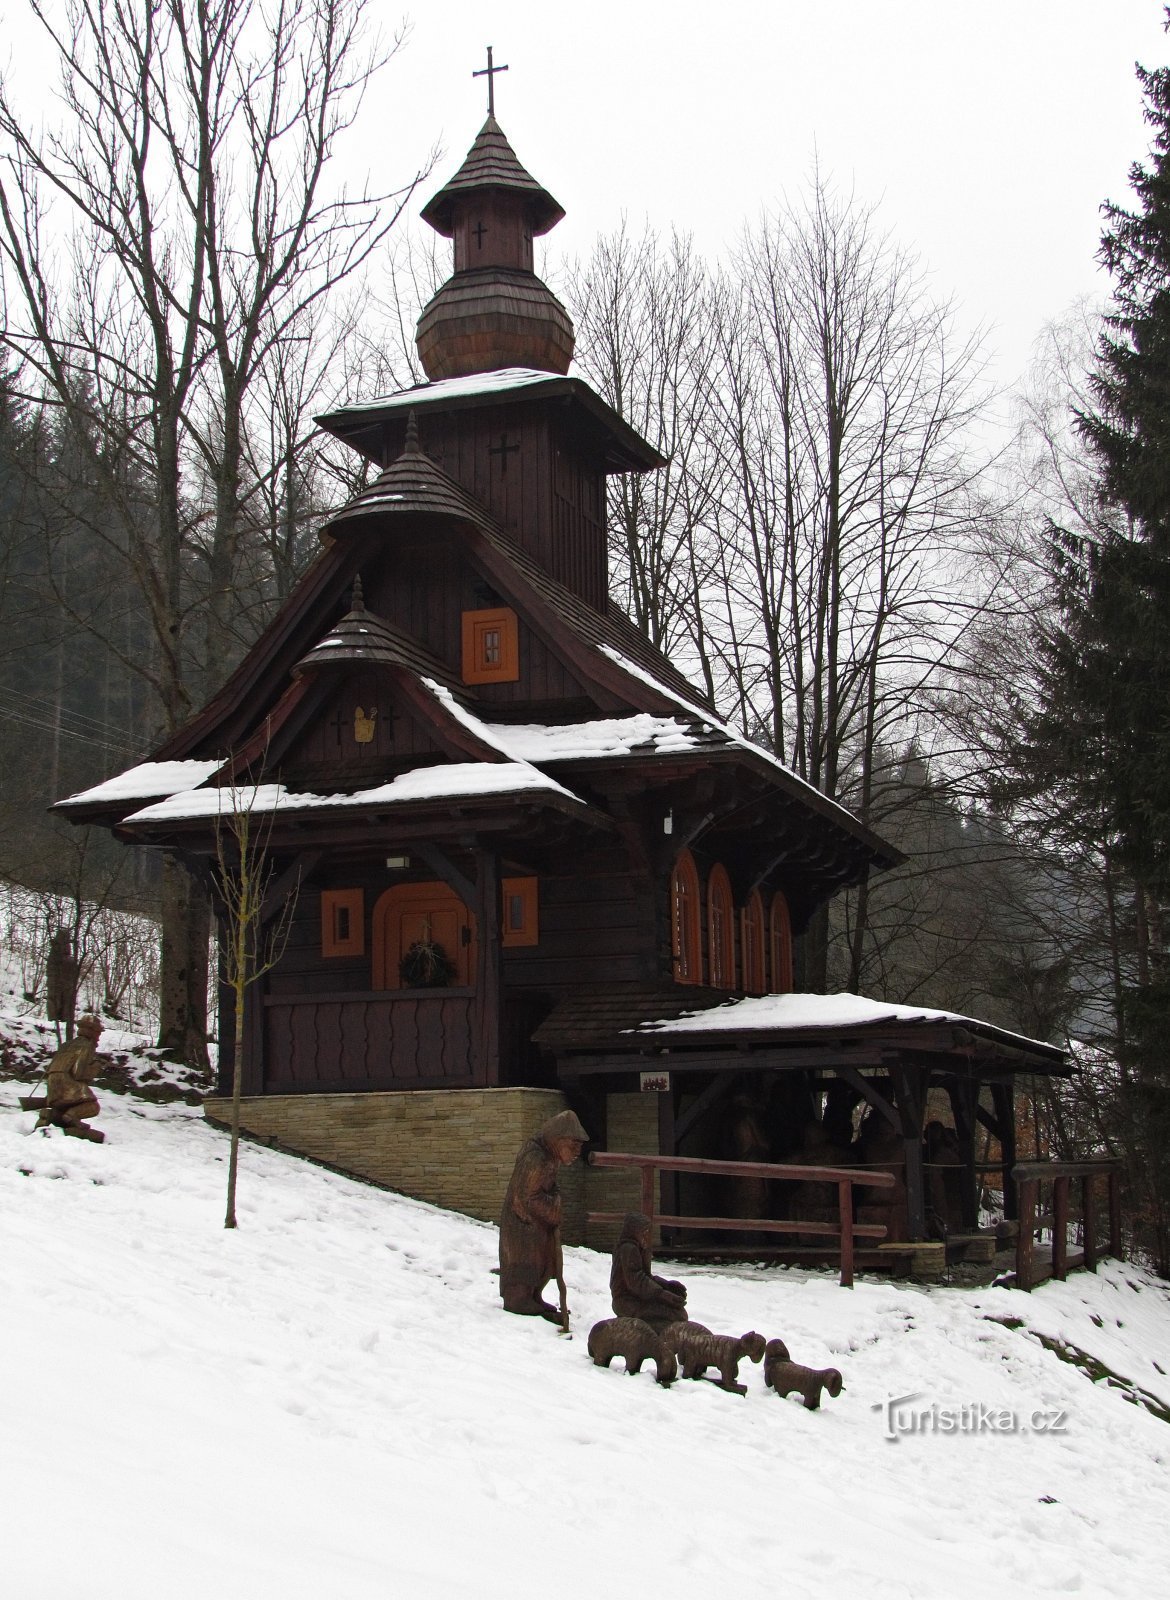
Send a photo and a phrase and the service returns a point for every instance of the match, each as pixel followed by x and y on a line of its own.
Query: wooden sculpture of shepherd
pixel 530 1223
pixel 69 1100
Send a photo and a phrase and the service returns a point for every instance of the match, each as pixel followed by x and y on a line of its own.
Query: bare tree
pixel 644 314
pixel 256 911
pixel 160 242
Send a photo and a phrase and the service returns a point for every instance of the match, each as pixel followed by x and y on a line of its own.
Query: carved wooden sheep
pixel 697 1348
pixel 788 1377
pixel 634 1340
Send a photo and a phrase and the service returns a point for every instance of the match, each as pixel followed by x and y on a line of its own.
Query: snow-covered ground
pixel 330 1402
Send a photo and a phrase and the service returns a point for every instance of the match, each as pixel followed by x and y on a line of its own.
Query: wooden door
pixel 422 913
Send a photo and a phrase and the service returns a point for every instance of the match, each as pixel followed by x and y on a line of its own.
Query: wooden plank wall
pixel 593 930
pixel 424 590
pixel 369 1042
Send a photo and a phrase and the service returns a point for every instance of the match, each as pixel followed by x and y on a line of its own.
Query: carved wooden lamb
pixel 788 1377
pixel 697 1348
pixel 635 1341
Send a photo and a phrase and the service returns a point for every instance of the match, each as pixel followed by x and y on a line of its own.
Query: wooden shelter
pixel 523 840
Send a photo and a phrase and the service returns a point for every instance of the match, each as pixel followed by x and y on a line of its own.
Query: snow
pixel 498 382
pixel 601 738
pixel 571 741
pixel 442 782
pixel 795 1011
pixel 145 780
pixel 725 728
pixel 329 1401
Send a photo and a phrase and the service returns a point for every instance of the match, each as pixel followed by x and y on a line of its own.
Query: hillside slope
pixel 329 1402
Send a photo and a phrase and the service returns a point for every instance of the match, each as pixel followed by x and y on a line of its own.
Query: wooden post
pixel 911 1104
pixel 845 1207
pixel 668 1181
pixel 648 1176
pixel 1060 1228
pixel 252 1077
pixel 1115 1249
pixel 1088 1224
pixel 1004 1102
pixel 487 975
pixel 1028 1190
pixel 963 1097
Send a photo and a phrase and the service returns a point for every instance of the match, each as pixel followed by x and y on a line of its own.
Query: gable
pixel 360 730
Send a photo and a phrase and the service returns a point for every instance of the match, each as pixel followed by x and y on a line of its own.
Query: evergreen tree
pixel 1096 745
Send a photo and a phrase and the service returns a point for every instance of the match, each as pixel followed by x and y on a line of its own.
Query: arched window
pixel 751 942
pixel 684 920
pixel 780 945
pixel 720 929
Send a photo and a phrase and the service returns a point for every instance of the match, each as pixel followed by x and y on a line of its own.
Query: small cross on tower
pixel 489 72
pixel 503 450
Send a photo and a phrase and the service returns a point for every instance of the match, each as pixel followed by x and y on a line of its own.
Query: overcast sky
pixel 988 133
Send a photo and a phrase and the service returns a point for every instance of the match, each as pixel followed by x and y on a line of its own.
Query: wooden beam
pixel 850 1075
pixel 298 870
pixel 443 867
pixel 710 1097
pixel 757 1059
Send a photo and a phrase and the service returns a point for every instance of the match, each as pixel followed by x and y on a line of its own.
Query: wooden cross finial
pixel 489 72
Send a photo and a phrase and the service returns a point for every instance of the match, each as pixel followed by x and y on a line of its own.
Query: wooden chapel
pixel 535 868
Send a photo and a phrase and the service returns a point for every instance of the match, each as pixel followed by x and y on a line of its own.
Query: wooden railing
pixel 1028 1177
pixel 845 1229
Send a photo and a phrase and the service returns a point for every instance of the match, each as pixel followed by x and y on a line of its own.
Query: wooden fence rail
pixel 845 1229
pixel 1028 1177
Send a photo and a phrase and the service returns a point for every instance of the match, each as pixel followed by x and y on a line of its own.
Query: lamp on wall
pixel 397 863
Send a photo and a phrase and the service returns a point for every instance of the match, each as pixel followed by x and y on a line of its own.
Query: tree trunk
pixel 186 934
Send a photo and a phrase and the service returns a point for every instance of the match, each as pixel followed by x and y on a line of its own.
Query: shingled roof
pixel 491 163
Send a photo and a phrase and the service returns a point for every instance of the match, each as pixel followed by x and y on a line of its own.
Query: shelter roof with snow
pixel 524 843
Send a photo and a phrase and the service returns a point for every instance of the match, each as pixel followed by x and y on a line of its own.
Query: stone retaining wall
pixel 453 1147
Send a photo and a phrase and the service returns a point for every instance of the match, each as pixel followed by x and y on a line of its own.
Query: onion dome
pixel 494 311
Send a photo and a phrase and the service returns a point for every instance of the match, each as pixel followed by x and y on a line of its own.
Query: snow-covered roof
pixel 501 381
pixel 604 737
pixel 796 1012
pixel 473 778
pixel 144 781
pixel 732 734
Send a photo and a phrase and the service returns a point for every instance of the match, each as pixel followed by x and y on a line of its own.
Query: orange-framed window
pixel 342 922
pixel 720 929
pixel 491 646
pixel 753 953
pixel 685 939
pixel 780 945
pixel 520 918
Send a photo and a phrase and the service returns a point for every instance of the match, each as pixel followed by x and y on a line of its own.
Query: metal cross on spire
pixel 489 72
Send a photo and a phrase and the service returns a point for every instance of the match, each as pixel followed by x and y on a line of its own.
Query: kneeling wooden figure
pixel 789 1377
pixel 697 1348
pixel 634 1340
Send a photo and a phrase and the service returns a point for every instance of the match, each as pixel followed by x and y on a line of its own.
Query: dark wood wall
pixel 328 752
pixel 542 480
pixel 424 589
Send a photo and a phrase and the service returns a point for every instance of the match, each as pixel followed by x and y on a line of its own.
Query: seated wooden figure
pixel 788 1377
pixel 634 1290
pixel 635 1341
pixel 697 1348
